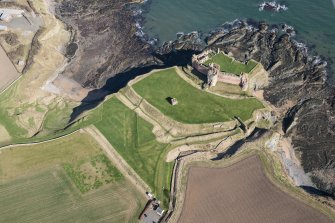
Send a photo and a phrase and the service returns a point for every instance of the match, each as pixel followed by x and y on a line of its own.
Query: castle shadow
pixel 119 81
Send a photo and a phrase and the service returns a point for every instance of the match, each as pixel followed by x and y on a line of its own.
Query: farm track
pixel 36 143
pixel 117 160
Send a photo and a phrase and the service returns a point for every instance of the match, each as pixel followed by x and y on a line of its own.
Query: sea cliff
pixel 105 45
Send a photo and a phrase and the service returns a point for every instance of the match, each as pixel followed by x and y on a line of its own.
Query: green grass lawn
pixel 228 65
pixel 93 173
pixel 194 106
pixel 13 129
pixel 132 137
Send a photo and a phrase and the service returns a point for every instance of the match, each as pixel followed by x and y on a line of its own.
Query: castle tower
pixel 194 60
pixel 244 82
pixel 213 73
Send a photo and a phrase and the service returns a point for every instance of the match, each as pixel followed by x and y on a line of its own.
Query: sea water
pixel 313 20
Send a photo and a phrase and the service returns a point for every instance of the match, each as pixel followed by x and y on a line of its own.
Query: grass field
pixel 49 196
pixel 228 65
pixel 6 120
pixel 194 106
pixel 227 89
pixel 26 159
pixel 36 186
pixel 132 137
pixel 92 174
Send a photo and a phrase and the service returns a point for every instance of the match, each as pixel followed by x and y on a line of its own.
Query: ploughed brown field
pixel 241 193
pixel 8 73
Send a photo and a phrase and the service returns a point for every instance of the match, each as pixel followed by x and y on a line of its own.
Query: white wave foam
pixel 288 29
pixel 274 30
pixel 250 28
pixel 273 6
pixel 180 34
pixel 301 46
pixel 137 13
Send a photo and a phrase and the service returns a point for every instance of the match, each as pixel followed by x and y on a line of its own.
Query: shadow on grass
pixel 256 134
pixel 119 81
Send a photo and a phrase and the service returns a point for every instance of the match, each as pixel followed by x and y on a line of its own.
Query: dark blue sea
pixel 313 20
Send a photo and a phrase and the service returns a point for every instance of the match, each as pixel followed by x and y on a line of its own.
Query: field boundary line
pixel 11 84
pixel 37 143
pixel 118 160
pixel 16 79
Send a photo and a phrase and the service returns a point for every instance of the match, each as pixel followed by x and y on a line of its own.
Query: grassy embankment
pixel 25 106
pixel 229 65
pixel 194 106
pixel 55 118
pixel 133 139
pixel 273 169
pixel 129 135
pixel 34 185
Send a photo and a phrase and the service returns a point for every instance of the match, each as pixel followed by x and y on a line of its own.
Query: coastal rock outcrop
pixel 297 86
pixel 105 44
pixel 104 40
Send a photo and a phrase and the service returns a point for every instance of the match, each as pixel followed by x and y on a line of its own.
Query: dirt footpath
pixel 118 161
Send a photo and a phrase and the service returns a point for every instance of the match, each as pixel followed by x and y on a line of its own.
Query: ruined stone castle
pixel 214 73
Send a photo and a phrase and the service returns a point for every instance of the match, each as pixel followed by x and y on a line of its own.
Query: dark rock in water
pixel 296 80
pixel 272 6
pixel 186 42
pixel 105 32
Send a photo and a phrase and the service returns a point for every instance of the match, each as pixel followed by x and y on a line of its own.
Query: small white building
pixel 173 101
pixel 160 211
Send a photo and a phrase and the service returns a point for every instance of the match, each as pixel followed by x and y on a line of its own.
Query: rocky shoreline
pixel 298 88
pixel 105 46
pixel 104 40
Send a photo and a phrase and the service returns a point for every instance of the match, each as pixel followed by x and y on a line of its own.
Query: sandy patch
pixel 4 135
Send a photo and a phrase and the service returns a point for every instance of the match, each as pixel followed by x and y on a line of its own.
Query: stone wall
pixel 214 73
pixel 199 67
pixel 229 79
